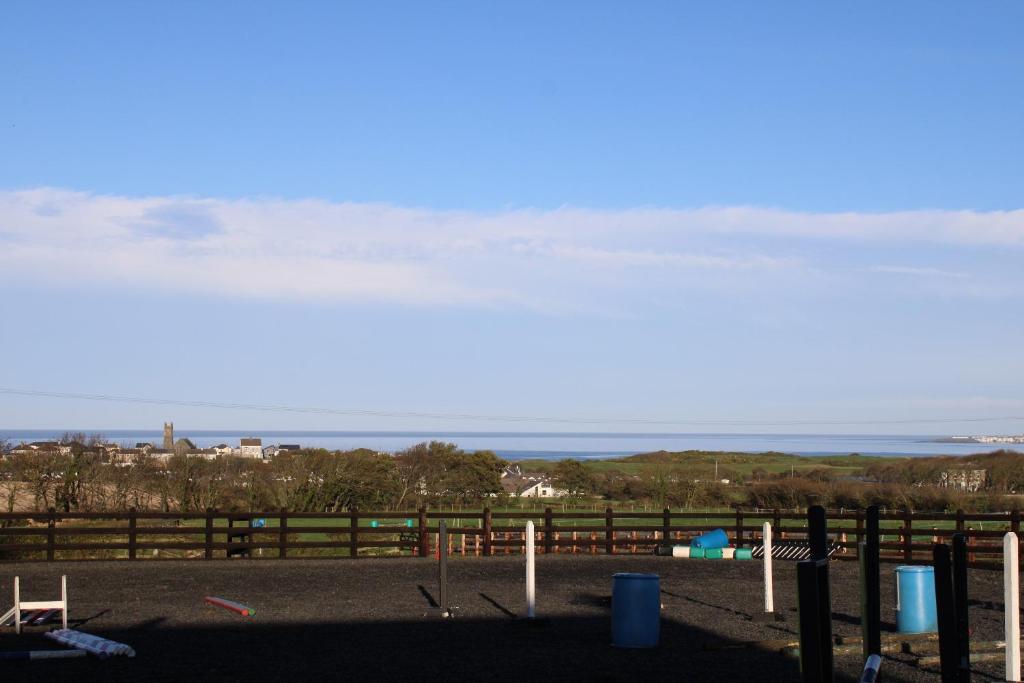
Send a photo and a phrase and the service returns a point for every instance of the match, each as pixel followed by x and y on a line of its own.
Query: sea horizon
pixel 549 445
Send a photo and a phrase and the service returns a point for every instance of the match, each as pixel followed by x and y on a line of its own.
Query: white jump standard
pixel 36 612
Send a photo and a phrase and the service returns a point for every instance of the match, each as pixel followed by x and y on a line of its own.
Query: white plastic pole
pixel 531 584
pixel 769 598
pixel 1011 602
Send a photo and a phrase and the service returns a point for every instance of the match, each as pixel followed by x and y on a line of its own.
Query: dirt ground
pixel 368 620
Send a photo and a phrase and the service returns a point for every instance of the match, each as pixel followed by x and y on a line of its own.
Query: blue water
pixel 552 445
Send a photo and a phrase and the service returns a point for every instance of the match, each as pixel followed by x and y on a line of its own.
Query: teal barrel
pixel 915 600
pixel 636 610
pixel 712 539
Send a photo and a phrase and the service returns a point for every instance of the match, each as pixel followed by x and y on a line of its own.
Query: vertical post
pixel 424 540
pixel 132 538
pixel 777 522
pixel 739 527
pixel 959 520
pixel 17 605
pixel 609 532
pixel 51 534
pixel 908 536
pixel 949 646
pixel 960 604
pixel 487 532
pixel 208 552
pixel 815 612
pixel 817 536
pixel 1015 521
pixel 769 594
pixel 64 601
pixel 1011 604
pixel 548 530
pixel 531 586
pixel 353 533
pixel 870 586
pixel 666 527
pixel 860 530
pixel 282 534
pixel 442 552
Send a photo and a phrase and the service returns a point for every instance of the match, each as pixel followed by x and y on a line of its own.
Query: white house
pixel 251 448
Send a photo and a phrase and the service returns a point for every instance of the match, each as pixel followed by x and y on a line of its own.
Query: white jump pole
pixel 769 598
pixel 1011 602
pixel 531 583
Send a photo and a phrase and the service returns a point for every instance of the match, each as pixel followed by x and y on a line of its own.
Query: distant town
pixel 118 454
pixel 982 439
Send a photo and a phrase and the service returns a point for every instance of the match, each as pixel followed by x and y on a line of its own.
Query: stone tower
pixel 168 435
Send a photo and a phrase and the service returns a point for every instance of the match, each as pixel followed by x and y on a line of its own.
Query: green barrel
pixel 713 554
pixel 744 554
pixel 696 553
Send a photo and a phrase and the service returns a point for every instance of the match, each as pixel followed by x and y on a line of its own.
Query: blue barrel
pixel 915 600
pixel 712 539
pixel 636 610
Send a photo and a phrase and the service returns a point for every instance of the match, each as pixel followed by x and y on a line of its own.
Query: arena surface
pixel 368 620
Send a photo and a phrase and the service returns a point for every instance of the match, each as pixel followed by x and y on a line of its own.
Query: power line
pixel 731 422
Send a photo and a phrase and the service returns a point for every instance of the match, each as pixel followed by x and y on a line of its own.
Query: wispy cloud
pixel 336 251
pixel 915 271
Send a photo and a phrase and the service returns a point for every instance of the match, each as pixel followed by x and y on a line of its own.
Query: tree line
pixel 441 473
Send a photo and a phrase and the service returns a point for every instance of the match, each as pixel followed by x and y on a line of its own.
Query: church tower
pixel 168 435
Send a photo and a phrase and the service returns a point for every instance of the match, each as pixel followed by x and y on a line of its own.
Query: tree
pixel 574 477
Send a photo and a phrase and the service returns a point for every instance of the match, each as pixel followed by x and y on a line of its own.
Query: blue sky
pixel 666 211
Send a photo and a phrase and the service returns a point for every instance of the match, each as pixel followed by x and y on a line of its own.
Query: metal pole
pixel 769 596
pixel 1011 602
pixel 531 585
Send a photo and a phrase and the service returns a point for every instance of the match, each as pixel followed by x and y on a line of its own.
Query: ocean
pixel 551 445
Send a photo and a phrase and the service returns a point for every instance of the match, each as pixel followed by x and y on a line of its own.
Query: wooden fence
pixel 907 537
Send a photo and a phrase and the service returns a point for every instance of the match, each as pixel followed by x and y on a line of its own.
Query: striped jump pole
pixel 871 668
pixel 1011 602
pixel 43 654
pixel 769 595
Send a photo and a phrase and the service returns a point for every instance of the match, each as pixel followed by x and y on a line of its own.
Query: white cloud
pixel 915 271
pixel 319 250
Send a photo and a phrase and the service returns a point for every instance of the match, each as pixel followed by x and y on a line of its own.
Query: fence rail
pixel 134 535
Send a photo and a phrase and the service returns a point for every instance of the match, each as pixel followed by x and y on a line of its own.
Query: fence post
pixel 424 541
pixel 353 533
pixel 487 532
pixel 817 532
pixel 666 526
pixel 908 536
pixel 815 614
pixel 1015 521
pixel 949 645
pixel 548 530
pixel 609 532
pixel 860 530
pixel 51 533
pixel 960 520
pixel 132 520
pixel 777 523
pixel 870 585
pixel 208 553
pixel 282 534
pixel 960 605
pixel 739 527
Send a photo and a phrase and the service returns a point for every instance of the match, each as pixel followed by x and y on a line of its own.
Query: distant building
pixel 224 449
pixel 183 446
pixel 168 435
pixel 272 451
pixel 970 481
pixel 530 487
pixel 251 448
